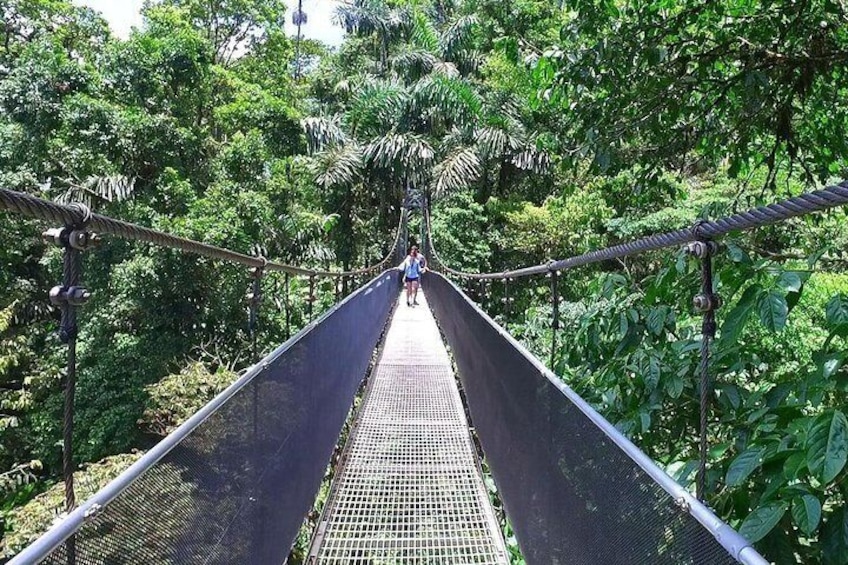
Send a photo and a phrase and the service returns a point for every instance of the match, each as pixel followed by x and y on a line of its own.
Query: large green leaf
pixel 656 319
pixel 762 520
pixel 827 445
pixel 836 313
pixel 834 537
pixel 806 511
pixel 735 321
pixel 790 281
pixel 773 310
pixel 743 465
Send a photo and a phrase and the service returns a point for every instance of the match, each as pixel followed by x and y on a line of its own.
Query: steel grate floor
pixel 410 488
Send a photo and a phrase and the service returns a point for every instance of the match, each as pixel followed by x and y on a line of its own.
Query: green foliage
pixel 166 129
pixel 25 524
pixel 660 83
pixel 562 226
pixel 177 397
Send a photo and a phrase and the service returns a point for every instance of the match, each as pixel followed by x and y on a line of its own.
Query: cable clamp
pixel 701 249
pixel 69 237
pixel 707 302
pixel 73 296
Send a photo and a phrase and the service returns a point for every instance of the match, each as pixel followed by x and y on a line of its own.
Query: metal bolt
pixel 701 249
pixel 82 240
pixel 57 295
pixel 54 236
pixel 75 295
pixel 706 303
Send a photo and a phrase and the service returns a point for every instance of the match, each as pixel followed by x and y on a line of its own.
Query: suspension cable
pixel 817 201
pixel 41 209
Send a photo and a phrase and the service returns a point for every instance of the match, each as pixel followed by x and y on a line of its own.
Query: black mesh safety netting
pixel 237 487
pixel 572 491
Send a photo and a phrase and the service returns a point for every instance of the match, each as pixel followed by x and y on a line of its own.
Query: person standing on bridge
pixel 412 267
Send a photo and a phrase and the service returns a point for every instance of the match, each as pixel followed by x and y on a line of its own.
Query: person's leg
pixel 415 291
pixel 408 291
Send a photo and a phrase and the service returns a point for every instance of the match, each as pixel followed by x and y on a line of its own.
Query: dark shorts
pixel 411 280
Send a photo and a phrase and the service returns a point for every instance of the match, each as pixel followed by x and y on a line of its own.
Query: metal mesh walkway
pixel 410 489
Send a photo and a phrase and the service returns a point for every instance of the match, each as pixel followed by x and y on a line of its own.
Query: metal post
pixel 507 308
pixel 311 295
pixel 707 303
pixel 555 322
pixel 254 298
pixel 287 305
pixel 68 297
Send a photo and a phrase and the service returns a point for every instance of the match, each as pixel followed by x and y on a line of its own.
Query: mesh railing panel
pixel 573 495
pixel 236 489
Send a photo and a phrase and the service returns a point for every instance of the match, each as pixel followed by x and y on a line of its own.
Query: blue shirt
pixel 412 267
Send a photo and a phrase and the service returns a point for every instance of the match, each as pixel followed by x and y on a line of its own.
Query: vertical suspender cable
pixel 311 295
pixel 507 308
pixel 287 304
pixel 70 295
pixel 707 303
pixel 555 321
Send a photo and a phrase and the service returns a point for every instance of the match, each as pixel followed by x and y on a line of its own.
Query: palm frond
pixel 495 142
pixel 405 155
pixel 414 62
pixel 338 166
pixel 502 106
pixel 458 35
pixel 446 69
pixel 322 132
pixel 457 137
pixel 98 189
pixel 460 169
pixel 424 34
pixel 368 17
pixel 343 88
pixel 376 107
pixel 468 61
pixel 532 159
pixel 449 98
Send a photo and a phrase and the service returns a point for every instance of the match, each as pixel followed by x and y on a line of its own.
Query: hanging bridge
pixel 234 482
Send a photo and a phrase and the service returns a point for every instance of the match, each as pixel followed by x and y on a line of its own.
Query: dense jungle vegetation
pixel 532 130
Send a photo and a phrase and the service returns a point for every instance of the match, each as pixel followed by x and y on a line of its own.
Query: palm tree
pixel 421 119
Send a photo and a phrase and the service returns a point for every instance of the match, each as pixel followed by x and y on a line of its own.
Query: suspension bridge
pixel 234 482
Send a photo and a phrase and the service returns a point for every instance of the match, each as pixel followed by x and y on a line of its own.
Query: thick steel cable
pixel 40 209
pixel 708 302
pixel 68 334
pixel 555 320
pixel 818 201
